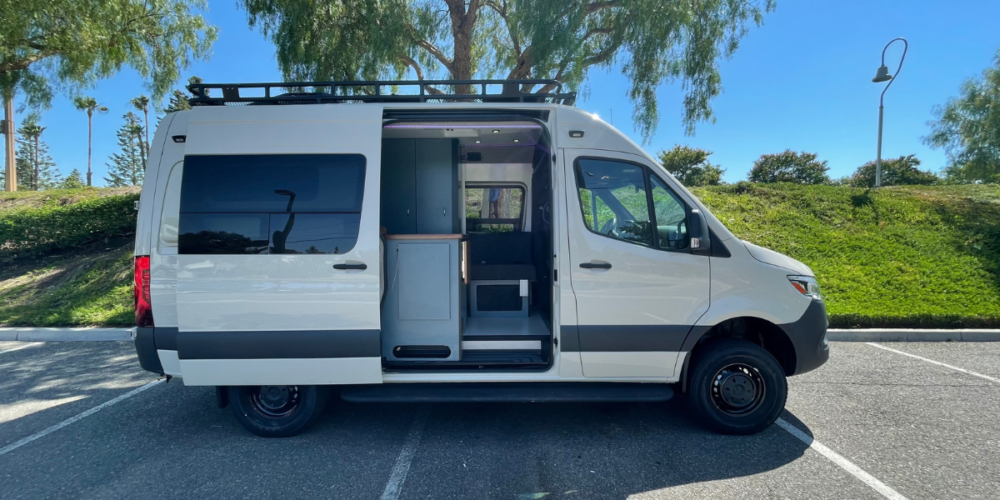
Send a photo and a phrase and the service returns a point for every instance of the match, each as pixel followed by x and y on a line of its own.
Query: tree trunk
pixel 145 114
pixel 462 23
pixel 90 141
pixel 8 112
pixel 35 182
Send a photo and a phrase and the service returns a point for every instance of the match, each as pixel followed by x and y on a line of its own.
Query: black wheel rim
pixel 275 401
pixel 738 389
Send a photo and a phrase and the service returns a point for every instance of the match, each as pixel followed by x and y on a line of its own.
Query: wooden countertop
pixel 425 236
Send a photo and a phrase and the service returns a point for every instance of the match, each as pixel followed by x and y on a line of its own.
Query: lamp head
pixel 882 75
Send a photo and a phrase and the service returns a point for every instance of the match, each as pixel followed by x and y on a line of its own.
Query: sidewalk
pixel 29 334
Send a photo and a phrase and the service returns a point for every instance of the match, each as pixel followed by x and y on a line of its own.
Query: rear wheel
pixel 278 410
pixel 736 387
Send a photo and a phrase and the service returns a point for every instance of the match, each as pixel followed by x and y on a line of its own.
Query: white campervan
pixel 384 244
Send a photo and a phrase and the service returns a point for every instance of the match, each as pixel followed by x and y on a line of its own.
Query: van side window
pixel 493 209
pixel 671 217
pixel 270 204
pixel 614 201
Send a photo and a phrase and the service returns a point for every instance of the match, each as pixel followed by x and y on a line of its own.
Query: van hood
pixel 776 259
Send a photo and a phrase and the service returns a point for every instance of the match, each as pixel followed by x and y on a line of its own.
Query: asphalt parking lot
pixel 882 424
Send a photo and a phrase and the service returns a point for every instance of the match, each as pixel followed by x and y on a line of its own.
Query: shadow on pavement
pixel 44 384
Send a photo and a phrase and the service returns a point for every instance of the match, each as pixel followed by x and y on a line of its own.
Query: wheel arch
pixel 757 330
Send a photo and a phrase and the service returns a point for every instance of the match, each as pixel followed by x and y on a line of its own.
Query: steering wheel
pixel 610 226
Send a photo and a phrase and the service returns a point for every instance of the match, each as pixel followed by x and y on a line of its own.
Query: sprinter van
pixel 392 241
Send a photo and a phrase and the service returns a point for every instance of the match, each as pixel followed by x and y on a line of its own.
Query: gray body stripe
pixel 280 344
pixel 165 337
pixel 624 338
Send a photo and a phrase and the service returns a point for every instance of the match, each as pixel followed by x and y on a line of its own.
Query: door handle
pixel 340 267
pixel 596 265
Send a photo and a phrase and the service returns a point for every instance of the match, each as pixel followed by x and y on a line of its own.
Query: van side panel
pixel 163 258
pixel 283 316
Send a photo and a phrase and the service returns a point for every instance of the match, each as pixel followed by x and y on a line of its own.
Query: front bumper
pixel 808 336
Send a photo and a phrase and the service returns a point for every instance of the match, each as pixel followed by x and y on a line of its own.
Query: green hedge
pixel 896 257
pixel 32 232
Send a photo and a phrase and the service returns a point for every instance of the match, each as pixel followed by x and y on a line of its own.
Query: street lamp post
pixel 882 75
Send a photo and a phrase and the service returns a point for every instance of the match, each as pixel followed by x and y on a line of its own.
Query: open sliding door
pixel 278 251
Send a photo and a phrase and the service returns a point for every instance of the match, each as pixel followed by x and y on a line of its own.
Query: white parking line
pixel 24 346
pixel 399 471
pixel 40 434
pixel 931 361
pixel 844 463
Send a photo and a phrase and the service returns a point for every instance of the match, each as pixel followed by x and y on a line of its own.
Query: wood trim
pixel 425 236
pixel 465 261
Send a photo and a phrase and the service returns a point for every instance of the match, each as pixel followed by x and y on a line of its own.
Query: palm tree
pixel 89 104
pixel 141 103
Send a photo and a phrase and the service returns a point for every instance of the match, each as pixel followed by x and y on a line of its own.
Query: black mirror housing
pixel 701 242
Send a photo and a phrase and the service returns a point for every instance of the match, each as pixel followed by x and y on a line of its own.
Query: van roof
pixel 388 91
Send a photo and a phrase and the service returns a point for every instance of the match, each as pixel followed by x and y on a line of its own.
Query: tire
pixel 736 387
pixel 278 411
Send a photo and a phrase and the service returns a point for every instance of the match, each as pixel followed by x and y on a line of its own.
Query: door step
pixel 500 392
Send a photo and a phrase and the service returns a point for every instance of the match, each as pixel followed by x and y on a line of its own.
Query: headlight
pixel 806 285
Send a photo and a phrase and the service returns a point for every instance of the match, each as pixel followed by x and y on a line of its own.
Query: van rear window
pixel 270 204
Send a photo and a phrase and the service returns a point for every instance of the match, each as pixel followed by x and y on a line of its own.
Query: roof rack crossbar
pixel 372 91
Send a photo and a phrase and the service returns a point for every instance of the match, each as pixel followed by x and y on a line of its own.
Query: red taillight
pixel 143 304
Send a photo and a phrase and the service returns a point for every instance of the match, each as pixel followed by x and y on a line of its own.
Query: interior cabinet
pixel 420 186
pixel 424 299
pixel 399 194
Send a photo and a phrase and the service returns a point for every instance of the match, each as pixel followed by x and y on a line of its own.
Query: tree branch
pixel 597 6
pixel 501 10
pixel 407 60
pixel 430 48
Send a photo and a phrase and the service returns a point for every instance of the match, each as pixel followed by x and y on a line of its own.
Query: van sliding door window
pixel 271 204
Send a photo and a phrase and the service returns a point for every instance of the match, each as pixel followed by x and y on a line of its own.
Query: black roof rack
pixel 235 94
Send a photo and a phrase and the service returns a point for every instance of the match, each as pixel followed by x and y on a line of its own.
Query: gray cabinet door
pixel 399 203
pixel 436 186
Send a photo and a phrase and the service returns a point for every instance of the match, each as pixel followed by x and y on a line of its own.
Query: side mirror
pixel 697 225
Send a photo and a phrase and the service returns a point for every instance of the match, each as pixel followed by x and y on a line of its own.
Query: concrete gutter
pixel 26 334
pixel 912 335
pixel 29 334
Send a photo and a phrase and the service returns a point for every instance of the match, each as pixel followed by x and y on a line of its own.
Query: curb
pixel 27 334
pixel 912 335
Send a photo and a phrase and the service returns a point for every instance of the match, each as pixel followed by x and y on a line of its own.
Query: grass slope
pixel 897 257
pixel 91 286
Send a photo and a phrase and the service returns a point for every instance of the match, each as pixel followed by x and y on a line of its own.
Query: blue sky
pixel 802 81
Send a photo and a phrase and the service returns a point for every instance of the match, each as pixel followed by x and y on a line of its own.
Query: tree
pixel 89 104
pixel 127 167
pixel 655 42
pixel 141 103
pixel 900 171
pixel 690 166
pixel 968 127
pixel 73 181
pixel 179 99
pixel 76 43
pixel 789 166
pixel 35 168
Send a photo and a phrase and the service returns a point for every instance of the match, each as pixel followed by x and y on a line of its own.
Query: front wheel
pixel 736 387
pixel 277 410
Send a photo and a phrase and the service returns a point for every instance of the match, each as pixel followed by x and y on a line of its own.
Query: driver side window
pixel 613 199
